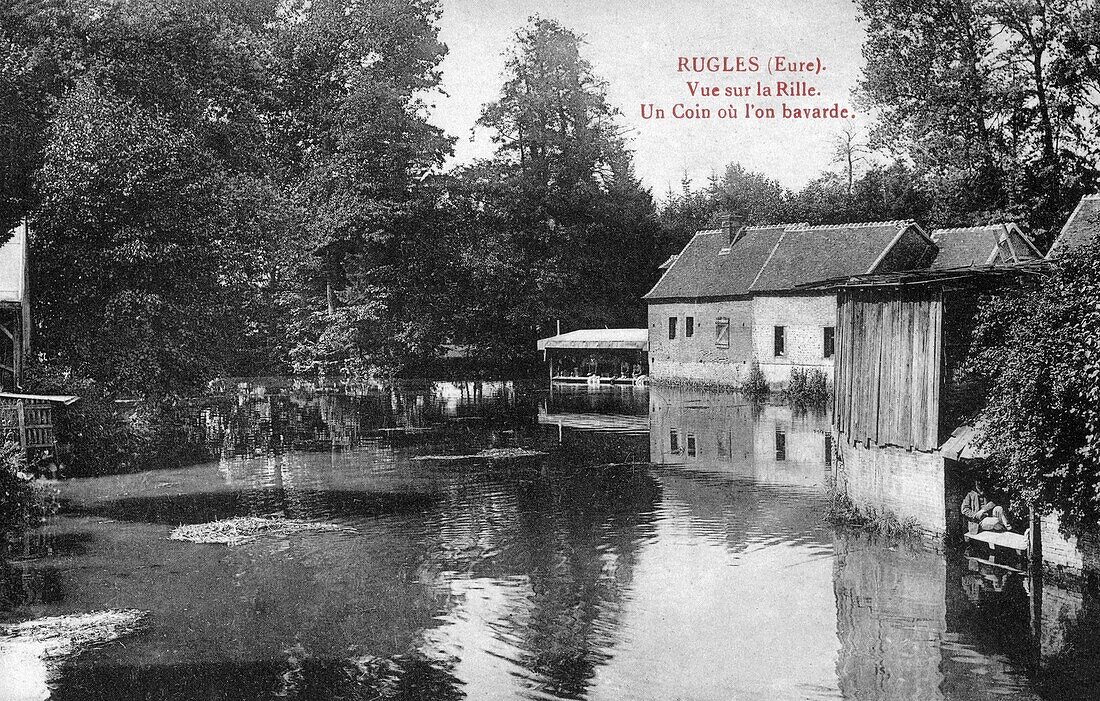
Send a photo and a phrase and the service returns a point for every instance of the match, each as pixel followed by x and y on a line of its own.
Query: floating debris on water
pixel 61 635
pixel 33 652
pixel 487 454
pixel 623 465
pixel 236 531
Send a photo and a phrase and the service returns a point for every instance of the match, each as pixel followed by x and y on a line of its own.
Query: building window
pixel 780 444
pixel 691 445
pixel 689 326
pixel 674 441
pixel 724 442
pixel 722 332
pixel 780 341
pixel 828 449
pixel 828 338
pixel 672 328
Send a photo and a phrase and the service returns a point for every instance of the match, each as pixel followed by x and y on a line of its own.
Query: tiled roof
pixel 1083 225
pixel 775 258
pixel 808 254
pixel 700 271
pixel 964 247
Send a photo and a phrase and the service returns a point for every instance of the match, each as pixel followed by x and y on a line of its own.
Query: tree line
pixel 255 187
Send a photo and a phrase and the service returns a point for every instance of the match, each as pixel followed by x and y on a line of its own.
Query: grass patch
pixel 807 386
pixel 841 511
pixel 756 384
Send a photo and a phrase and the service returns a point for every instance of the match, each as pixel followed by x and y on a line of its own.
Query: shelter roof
pixel 927 276
pixel 63 399
pixel 598 339
pixel 962 445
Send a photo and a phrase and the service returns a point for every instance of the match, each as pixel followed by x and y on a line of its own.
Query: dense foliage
pixel 994 103
pixel 23 503
pixel 878 192
pixel 1037 349
pixel 198 174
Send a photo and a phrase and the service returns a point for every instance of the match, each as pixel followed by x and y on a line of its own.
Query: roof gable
pixel 1082 226
pixel 703 270
pixel 812 253
pixel 991 244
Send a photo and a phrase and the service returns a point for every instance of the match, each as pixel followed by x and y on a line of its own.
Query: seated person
pixel 982 514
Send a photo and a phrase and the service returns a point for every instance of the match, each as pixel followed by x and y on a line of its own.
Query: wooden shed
pixel 900 338
pixel 898 400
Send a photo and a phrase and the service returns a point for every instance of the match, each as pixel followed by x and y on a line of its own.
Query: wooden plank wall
pixel 888 367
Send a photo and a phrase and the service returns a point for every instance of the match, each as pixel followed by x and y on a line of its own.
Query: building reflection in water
pixel 911 621
pixel 722 431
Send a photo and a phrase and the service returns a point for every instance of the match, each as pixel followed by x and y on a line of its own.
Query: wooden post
pixel 17 356
pixel 1035 543
pixel 22 419
pixel 1035 578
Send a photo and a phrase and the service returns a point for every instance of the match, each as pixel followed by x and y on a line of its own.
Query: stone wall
pixel 805 318
pixel 908 484
pixel 699 358
pixel 1074 554
pixel 752 334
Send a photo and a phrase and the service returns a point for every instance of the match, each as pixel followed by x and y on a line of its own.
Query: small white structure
pixel 15 308
pixel 597 355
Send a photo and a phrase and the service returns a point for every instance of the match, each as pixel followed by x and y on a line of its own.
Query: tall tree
pixel 353 76
pixel 992 101
pixel 575 229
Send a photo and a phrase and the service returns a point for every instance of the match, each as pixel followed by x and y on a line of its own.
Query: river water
pixel 667 544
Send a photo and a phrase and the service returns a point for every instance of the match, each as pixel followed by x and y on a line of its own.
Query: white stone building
pixel 733 296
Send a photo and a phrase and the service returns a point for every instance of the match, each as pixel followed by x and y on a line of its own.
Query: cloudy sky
pixel 634 45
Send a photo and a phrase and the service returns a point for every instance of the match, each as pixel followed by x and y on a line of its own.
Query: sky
pixel 635 44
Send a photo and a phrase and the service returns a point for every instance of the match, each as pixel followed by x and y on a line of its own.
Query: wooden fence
pixel 30 422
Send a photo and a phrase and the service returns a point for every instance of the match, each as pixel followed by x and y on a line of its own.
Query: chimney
pixel 732 226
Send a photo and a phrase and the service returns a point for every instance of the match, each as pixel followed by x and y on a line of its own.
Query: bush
pixel 105 436
pixel 756 385
pixel 841 510
pixel 99 438
pixel 807 386
pixel 23 503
